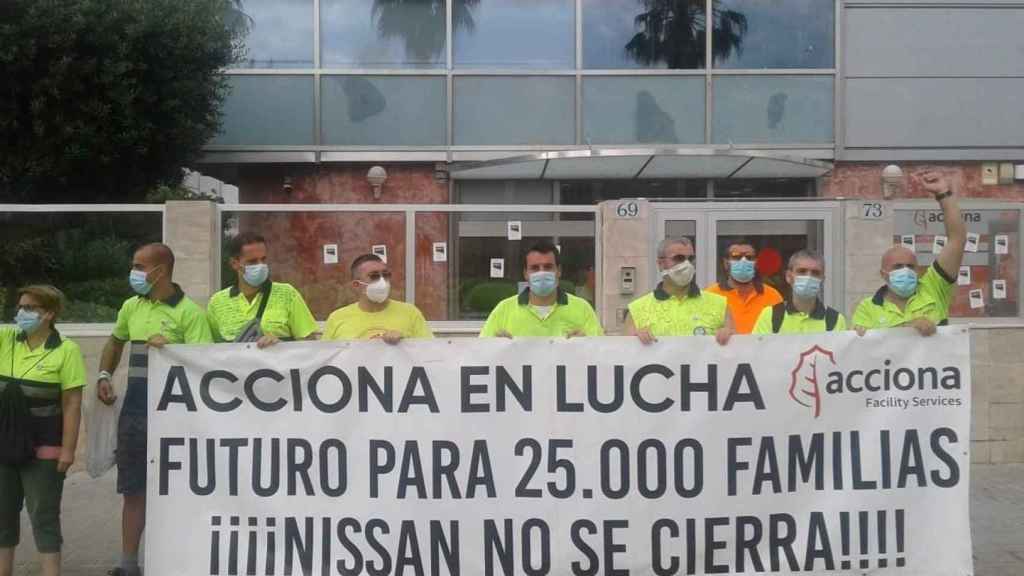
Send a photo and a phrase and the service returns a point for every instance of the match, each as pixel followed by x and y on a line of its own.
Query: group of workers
pixel 42 374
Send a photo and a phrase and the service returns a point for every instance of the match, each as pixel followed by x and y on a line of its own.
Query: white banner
pixel 817 454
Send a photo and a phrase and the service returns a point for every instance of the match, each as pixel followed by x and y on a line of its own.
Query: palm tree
pixel 673 32
pixel 420 24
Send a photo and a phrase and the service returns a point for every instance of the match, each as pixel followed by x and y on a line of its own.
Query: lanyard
pixel 14 347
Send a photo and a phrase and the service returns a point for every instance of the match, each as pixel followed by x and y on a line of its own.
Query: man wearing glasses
pixel 375 315
pixel 747 294
pixel 677 306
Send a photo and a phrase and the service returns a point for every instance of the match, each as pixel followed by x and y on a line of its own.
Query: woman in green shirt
pixel 41 380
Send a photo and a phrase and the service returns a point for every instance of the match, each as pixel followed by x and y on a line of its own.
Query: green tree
pixel 106 99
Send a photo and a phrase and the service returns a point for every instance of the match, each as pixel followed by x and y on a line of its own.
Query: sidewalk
pixel 92 528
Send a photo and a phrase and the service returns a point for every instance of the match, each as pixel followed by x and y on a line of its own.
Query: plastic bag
pixel 101 428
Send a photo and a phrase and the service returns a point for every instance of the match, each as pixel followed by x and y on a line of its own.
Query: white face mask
pixel 681 274
pixel 378 291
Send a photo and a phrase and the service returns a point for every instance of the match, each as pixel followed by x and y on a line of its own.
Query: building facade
pixel 567 103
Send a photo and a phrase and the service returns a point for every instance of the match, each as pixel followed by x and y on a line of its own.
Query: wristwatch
pixel 103 375
pixel 943 196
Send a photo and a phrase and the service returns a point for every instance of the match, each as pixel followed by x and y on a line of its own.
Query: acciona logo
pixel 817 373
pixel 804 385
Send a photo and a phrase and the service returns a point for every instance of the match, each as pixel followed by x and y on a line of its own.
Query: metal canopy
pixel 630 163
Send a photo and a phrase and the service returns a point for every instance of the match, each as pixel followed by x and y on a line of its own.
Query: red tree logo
pixel 804 387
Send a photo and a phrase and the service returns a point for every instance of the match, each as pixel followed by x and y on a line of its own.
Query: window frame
pixel 968 204
pixel 89 329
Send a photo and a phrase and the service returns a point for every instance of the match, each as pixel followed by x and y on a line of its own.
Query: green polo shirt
pixel 177 318
pixel 516 316
pixel 286 315
pixel 696 313
pixel 58 362
pixel 932 300
pixel 797 322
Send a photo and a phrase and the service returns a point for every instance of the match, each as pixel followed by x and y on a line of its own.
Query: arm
pixel 494 325
pixel 71 405
pixel 725 332
pixel 644 334
pixel 953 254
pixel 109 360
pixel 592 326
pixel 302 324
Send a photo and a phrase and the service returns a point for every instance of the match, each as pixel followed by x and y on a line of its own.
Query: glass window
pixel 994 265
pixel 780 34
pixel 478 289
pixel 592 192
pixel 774 240
pixel 643 34
pixel 278 33
pixel 86 255
pixel 764 188
pixel 265 110
pixel 382 33
pixel 641 110
pixel 313 251
pixel 377 110
pixel 506 110
pixel 772 109
pixel 515 34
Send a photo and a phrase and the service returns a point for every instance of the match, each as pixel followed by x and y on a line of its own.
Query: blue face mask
pixel 806 287
pixel 27 321
pixel 543 283
pixel 741 270
pixel 903 281
pixel 137 278
pixel 256 274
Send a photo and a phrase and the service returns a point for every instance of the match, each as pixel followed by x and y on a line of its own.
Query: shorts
pixel 37 486
pixel 131 453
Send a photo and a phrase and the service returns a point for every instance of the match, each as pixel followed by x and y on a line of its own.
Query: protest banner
pixel 801 454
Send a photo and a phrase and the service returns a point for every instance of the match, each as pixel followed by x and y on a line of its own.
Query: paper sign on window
pixel 515 230
pixel 977 299
pixel 330 253
pixel 999 289
pixel 972 242
pixel 380 250
pixel 1002 243
pixel 497 267
pixel 964 277
pixel 440 252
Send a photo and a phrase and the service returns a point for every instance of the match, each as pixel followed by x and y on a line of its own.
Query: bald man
pixel 160 314
pixel 909 297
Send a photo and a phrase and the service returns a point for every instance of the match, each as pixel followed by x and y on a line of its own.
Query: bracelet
pixel 943 196
pixel 104 375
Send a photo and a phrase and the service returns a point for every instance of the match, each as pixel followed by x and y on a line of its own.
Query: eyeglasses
pixel 375 276
pixel 747 257
pixel 680 258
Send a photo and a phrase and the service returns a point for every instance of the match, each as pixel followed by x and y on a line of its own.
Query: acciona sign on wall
pixel 816 454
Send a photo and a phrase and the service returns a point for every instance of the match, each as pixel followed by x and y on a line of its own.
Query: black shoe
pixel 119 571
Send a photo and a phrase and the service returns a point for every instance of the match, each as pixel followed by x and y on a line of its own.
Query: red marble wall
pixel 296 239
pixel 857 180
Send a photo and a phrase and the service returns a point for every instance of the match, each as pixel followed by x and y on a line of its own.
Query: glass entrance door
pixel 776 229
